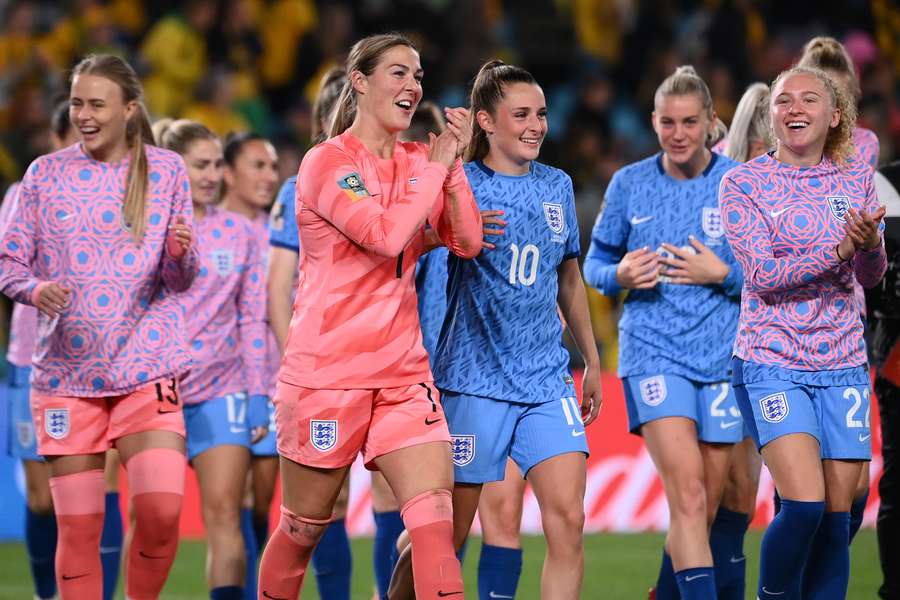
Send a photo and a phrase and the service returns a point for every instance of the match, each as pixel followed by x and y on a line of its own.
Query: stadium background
pixel 255 64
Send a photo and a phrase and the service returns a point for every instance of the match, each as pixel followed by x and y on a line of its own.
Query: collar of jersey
pixel 706 171
pixel 490 172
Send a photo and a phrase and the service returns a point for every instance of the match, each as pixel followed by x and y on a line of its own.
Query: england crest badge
pixel 56 422
pixel 223 260
pixel 774 407
pixel 712 223
pixel 653 390
pixel 463 449
pixel 556 219
pixel 323 434
pixel 839 206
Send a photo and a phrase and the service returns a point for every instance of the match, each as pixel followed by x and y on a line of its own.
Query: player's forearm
pixel 279 314
pixel 572 300
pixel 461 227
pixel 870 266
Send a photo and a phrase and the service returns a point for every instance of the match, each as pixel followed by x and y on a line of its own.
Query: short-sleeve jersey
pixel 283 222
pixel 124 326
pixel 678 329
pixel 784 223
pixel 362 220
pixel 502 336
pixel 226 311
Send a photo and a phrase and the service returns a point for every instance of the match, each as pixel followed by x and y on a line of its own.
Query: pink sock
pixel 156 487
pixel 78 500
pixel 429 520
pixel 287 554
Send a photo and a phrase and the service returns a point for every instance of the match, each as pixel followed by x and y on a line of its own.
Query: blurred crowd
pixel 256 64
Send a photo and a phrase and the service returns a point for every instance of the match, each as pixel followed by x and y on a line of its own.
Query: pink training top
pixel 260 224
pixel 124 326
pixel 362 228
pixel 23 325
pixel 226 311
pixel 867 146
pixel 783 224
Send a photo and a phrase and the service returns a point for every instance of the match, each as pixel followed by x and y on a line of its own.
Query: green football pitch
pixel 617 566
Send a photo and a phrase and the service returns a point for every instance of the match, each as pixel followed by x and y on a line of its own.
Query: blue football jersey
pixel 283 220
pixel 431 287
pixel 685 330
pixel 502 336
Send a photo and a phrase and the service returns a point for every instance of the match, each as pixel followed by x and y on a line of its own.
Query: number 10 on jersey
pixel 524 265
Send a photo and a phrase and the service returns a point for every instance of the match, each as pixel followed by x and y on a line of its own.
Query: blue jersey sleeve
pixel 573 242
pixel 283 222
pixel 609 239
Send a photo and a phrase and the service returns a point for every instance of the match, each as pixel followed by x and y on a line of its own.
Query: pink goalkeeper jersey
pixel 362 228
pixel 783 224
pixel 124 326
pixel 226 311
pixel 23 325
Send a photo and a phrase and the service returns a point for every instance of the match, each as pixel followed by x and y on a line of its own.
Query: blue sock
pixel 697 584
pixel 856 515
pixel 666 585
pixel 227 592
pixel 250 552
pixel 785 548
pixel 111 545
pixel 827 570
pixel 726 541
pixel 498 572
pixel 260 531
pixel 40 542
pixel 332 562
pixel 388 526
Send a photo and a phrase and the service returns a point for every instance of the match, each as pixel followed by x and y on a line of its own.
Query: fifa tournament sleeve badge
pixel 353 186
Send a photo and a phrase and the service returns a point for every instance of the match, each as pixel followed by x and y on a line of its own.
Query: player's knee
pixel 221 513
pixel 158 519
pixel 39 500
pixel 689 500
pixel 564 521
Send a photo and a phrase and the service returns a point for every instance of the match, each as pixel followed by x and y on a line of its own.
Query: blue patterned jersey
pixel 283 221
pixel 502 336
pixel 431 287
pixel 684 330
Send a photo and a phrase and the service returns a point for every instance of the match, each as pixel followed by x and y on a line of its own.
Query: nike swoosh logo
pixel 145 555
pixel 496 595
pixel 237 429
pixel 729 424
pixel 776 213
pixel 864 438
pixel 773 593
pixel 577 433
pixel 109 549
pixel 428 422
pixel 268 595
pixel 639 220
pixel 66 216
pixel 690 578
pixel 445 594
pixel 735 559
pixel 71 577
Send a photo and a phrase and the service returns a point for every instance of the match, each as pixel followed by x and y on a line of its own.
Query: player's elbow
pixel 466 248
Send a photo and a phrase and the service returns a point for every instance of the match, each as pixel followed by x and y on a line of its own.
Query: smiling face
pixel 254 175
pixel 802 113
pixel 682 126
pixel 392 91
pixel 99 113
pixel 205 166
pixel 518 126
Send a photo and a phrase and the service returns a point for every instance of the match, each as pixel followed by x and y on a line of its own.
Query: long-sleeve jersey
pixel 867 146
pixel 361 220
pixel 226 311
pixel 124 325
pixel 23 325
pixel 784 223
pixel 684 330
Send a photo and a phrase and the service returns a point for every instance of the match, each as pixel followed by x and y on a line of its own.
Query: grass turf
pixel 617 566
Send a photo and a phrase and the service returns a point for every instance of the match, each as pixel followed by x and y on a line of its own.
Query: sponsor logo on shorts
pixel 56 422
pixel 25 433
pixel 323 434
pixel 653 390
pixel 774 407
pixel 463 449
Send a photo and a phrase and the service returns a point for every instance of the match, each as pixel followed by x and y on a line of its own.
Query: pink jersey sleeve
pixel 252 326
pixel 334 189
pixel 751 242
pixel 18 244
pixel 867 146
pixel 457 219
pixel 870 267
pixel 178 274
